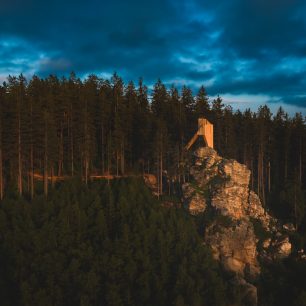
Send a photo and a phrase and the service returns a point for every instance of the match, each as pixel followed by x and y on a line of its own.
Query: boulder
pixel 282 247
pixel 234 246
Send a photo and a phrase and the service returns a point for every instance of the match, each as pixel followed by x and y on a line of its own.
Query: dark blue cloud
pixel 237 47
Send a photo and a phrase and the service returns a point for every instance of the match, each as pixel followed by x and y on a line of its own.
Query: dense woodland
pixel 112 243
pixel 104 244
pixel 66 239
pixel 51 128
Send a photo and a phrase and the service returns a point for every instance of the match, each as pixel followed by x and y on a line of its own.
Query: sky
pixel 250 52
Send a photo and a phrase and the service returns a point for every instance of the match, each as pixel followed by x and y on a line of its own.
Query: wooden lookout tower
pixel 206 130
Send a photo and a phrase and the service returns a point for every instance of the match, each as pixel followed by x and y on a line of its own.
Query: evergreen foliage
pixel 72 127
pixel 283 283
pixel 97 244
pixel 103 245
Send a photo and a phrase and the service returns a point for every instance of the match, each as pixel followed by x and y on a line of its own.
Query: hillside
pixel 104 245
pixel 78 226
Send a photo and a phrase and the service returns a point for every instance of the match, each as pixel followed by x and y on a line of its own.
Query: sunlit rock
pixel 235 220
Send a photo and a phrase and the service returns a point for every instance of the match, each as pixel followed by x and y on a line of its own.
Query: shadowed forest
pixel 103 245
pixel 81 242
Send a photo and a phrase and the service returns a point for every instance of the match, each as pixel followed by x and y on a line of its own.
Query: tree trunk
pixel 72 154
pixel 31 154
pixel 286 164
pixel 161 171
pixel 19 157
pixel 102 149
pixel 260 176
pixel 117 162
pixel 295 208
pixel 108 159
pixel 158 175
pixel 61 153
pixel 122 160
pixel 269 176
pixel 252 174
pixel 300 163
pixel 46 163
pixel 52 176
pixel 46 175
pixel 1 175
pixel 85 152
pixel 86 169
pixel 31 172
pixel 70 132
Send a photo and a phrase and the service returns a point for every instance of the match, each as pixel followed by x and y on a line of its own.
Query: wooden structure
pixel 206 130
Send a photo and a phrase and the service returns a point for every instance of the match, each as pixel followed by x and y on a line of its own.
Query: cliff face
pixel 236 224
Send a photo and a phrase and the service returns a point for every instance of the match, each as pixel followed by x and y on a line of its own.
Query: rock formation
pixel 236 224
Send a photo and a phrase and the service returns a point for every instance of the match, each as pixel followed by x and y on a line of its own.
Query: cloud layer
pixel 235 48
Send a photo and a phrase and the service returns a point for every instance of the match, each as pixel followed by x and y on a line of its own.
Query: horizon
pixel 250 53
pixel 241 103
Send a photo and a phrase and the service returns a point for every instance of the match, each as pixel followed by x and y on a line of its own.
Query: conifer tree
pixel 202 107
pixel 263 138
pixel 2 95
pixel 15 122
pixel 217 113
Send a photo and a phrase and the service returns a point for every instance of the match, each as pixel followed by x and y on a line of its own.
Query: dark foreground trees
pixel 103 245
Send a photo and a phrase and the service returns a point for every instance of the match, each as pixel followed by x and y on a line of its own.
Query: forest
pixel 52 129
pixel 104 244
pixel 69 235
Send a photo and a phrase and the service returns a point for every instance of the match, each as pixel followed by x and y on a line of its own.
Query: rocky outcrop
pixel 196 199
pixel 234 246
pixel 234 218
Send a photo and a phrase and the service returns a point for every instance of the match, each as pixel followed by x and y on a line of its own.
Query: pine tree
pixel 118 123
pixel 217 113
pixel 2 96
pixel 141 141
pixel 263 138
pixel 89 98
pixel 202 107
pixel 15 124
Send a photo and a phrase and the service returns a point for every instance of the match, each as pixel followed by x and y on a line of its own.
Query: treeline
pixel 71 127
pixel 104 244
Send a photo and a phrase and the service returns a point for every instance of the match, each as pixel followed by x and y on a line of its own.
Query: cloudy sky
pixel 249 52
